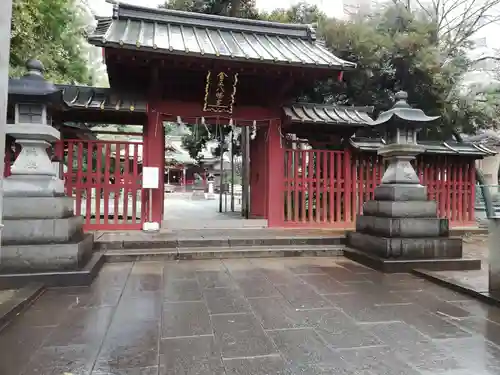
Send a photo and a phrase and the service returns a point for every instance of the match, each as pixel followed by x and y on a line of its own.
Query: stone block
pixel 40 231
pixel 400 209
pixel 400 192
pixel 402 227
pixel 494 255
pixel 47 257
pixel 38 208
pixel 406 248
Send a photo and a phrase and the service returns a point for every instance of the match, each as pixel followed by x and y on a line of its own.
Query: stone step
pixel 196 253
pixel 217 242
pixel 393 265
pixel 13 302
pixel 80 277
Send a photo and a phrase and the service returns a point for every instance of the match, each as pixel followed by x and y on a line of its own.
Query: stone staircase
pixel 220 244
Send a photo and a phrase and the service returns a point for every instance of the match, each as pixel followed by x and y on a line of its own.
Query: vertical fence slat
pixel 326 186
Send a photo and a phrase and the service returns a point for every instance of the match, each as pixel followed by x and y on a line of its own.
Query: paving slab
pixel 300 316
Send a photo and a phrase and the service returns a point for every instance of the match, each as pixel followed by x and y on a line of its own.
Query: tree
pixel 233 8
pixel 53 32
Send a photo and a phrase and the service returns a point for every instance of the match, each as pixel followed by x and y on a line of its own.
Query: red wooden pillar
pixel 154 156
pixel 258 170
pixel 275 175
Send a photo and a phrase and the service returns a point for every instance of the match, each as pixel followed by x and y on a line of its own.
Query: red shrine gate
pixel 313 188
pixel 163 64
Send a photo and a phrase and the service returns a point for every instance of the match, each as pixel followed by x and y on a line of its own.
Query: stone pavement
pixel 304 316
pixel 475 247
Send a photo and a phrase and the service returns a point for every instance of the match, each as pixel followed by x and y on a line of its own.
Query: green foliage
pixel 51 31
pixel 244 8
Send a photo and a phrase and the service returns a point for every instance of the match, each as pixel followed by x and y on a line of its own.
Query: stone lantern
pixel 32 173
pixel 41 232
pixel 399 230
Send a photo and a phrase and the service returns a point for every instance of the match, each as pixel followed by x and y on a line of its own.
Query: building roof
pixel 328 114
pixel 431 147
pixel 195 34
pixel 99 98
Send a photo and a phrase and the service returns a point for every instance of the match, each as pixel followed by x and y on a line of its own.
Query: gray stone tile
pixel 433 325
pixel 337 329
pixel 182 290
pixel 130 371
pixel 278 276
pixel 376 360
pixel 129 346
pixel 241 335
pixel 361 307
pixel 215 279
pixel 433 304
pixel 302 347
pixel 302 296
pixel 225 301
pixel 306 269
pixel 343 275
pixel 190 356
pixel 484 327
pixel 274 312
pixel 475 354
pixel 82 327
pixel 257 288
pixel 98 298
pixel 324 284
pixel 186 319
pixel 413 347
pixel 18 344
pixel 145 306
pixel 257 366
pixel 73 359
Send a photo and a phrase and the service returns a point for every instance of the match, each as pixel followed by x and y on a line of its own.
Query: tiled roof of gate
pixel 328 114
pixel 99 98
pixel 431 147
pixel 185 33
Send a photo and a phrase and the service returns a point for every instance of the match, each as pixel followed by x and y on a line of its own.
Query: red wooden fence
pixel 322 188
pixel 104 177
pixel 328 188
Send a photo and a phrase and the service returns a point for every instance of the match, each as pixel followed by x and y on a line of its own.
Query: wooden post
pixel 245 143
pixel 221 178
pixel 232 170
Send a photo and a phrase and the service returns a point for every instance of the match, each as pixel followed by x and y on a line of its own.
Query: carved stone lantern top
pixel 33 87
pixel 401 110
pixel 401 124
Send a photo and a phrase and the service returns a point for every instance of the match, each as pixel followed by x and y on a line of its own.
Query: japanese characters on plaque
pixel 220 90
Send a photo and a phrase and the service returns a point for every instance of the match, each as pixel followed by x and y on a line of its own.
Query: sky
pixel 330 7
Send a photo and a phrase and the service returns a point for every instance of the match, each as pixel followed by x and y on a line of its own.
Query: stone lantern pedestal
pixel 41 232
pixel 399 230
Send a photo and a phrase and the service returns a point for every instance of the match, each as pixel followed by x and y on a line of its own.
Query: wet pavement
pixel 475 247
pixel 295 316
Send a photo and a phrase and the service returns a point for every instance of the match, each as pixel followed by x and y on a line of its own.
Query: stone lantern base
pixel 400 231
pixel 43 234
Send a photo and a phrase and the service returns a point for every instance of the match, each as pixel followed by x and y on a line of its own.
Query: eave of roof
pixel 100 99
pixel 431 147
pixel 328 114
pixel 211 36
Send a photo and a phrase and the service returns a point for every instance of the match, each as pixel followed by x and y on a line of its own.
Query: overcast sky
pixel 330 7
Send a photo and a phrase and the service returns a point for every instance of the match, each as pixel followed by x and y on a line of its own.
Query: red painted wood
pixel 449 180
pixel 326 187
pixel 87 185
pixel 460 198
pixel 276 165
